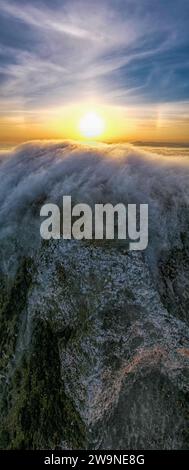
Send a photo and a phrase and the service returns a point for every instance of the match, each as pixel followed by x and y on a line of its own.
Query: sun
pixel 91 125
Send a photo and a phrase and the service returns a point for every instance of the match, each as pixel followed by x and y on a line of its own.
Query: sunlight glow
pixel 91 125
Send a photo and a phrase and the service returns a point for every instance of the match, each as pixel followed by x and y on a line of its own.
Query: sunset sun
pixel 91 125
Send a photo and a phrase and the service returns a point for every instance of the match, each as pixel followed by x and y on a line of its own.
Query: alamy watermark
pixel 105 221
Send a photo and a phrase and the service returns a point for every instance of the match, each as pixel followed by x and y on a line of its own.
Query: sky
pixel 127 60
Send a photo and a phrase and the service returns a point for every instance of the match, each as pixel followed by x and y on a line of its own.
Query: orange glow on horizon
pixel 105 123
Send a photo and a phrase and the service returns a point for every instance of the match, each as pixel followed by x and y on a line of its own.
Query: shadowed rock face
pixel 98 361
pixel 94 340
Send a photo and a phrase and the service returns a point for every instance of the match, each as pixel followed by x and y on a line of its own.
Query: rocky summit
pixel 94 337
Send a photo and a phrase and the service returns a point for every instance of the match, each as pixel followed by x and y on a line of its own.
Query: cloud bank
pixel 35 173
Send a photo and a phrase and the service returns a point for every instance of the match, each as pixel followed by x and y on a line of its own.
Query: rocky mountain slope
pixel 94 338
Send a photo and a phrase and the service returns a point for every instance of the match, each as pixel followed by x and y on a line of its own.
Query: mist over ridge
pixel 38 172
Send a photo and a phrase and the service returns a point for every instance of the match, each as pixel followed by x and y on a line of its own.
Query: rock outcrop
pixel 94 339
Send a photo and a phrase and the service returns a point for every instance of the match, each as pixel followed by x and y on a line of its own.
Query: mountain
pixel 94 337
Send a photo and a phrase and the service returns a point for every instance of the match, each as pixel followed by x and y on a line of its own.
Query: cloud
pixel 74 48
pixel 36 173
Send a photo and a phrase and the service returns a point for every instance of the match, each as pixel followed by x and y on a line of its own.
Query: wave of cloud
pixel 36 173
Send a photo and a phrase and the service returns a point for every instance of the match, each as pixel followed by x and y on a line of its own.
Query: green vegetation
pixel 35 411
